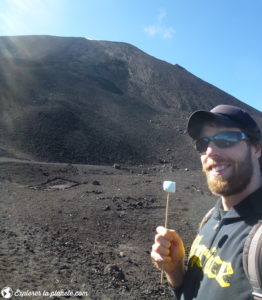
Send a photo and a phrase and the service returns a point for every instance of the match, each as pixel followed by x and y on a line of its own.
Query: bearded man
pixel 229 143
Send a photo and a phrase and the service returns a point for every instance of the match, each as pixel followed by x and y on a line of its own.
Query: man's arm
pixel 168 254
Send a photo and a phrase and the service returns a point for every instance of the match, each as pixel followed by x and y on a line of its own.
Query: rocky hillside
pixel 83 101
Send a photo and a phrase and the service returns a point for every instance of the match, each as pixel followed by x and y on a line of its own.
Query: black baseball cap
pixel 225 115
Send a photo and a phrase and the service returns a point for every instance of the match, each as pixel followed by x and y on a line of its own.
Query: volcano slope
pixel 90 228
pixel 75 100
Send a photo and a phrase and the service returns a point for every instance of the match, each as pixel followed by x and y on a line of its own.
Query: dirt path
pixel 90 228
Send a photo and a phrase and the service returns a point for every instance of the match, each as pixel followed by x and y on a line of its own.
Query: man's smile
pixel 217 169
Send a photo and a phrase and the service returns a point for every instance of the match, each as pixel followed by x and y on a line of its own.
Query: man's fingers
pixel 160 249
pixel 158 258
pixel 168 250
pixel 159 239
pixel 168 234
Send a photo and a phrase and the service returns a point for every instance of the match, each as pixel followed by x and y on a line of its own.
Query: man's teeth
pixel 218 168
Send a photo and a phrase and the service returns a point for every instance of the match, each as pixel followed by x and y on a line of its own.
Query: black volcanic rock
pixel 97 102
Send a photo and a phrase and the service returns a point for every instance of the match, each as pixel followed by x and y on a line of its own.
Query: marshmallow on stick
pixel 169 187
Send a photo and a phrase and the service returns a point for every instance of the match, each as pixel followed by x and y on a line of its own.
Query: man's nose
pixel 212 149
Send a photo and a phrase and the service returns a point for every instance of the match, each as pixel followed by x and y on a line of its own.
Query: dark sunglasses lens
pixel 202 144
pixel 224 143
pixel 226 139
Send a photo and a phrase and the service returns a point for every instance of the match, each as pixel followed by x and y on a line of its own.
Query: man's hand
pixel 168 254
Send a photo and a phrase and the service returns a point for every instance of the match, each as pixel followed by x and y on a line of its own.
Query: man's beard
pixel 238 180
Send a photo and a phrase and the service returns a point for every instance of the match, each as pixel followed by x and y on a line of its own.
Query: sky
pixel 219 41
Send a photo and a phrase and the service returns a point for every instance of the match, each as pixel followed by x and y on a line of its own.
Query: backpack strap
pixel 252 259
pixel 206 218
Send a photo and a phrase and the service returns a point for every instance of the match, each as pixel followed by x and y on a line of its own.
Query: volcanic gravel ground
pixel 90 228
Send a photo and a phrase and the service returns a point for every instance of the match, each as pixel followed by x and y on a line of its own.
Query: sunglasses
pixel 222 140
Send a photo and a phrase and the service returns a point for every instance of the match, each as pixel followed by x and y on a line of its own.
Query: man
pixel 228 141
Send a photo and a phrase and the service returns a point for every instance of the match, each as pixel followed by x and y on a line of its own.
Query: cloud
pixel 160 29
pixel 162 15
pixel 151 30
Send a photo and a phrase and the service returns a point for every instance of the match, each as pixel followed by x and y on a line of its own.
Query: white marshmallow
pixel 169 186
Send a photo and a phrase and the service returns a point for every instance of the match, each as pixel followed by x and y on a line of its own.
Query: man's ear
pixel 258 150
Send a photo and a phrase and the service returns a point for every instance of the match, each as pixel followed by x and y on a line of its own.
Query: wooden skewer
pixel 166 220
